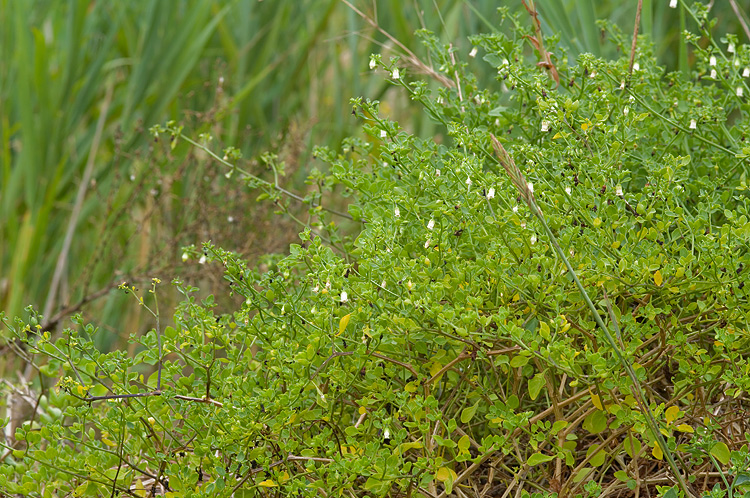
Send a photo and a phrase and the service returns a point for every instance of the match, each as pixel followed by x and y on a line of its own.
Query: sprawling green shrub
pixel 446 346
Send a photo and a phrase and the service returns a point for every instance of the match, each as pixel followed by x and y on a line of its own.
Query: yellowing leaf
pixel 658 278
pixel 362 410
pixel 671 414
pixel 268 483
pixel 685 428
pixel 435 368
pixel 597 401
pixel 444 474
pixel 344 322
pixel 658 454
pixel 109 442
pixel 544 331
pixel 463 443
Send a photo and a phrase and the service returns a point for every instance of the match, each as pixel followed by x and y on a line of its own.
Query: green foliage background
pixel 410 357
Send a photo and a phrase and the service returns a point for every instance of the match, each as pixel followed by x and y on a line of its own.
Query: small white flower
pixel 409 285
pixel 567 190
pixel 397 212
pixel 248 301
pixel 505 62
pixel 530 186
pixel 468 181
pixel 523 224
pixel 132 177
pixel 736 63
pixel 545 125
pixel 440 100
pixel 618 190
pixel 373 63
pixel 712 61
pixel 626 111
pixel 437 172
pixel 739 91
pixel 713 73
pixel 382 284
pixel 730 48
pixel 185 256
pixel 328 284
pixel 491 193
pixel 386 433
pixel 693 124
pixel 533 240
pixel 431 225
pixel 593 74
pixel 230 219
pixel 316 289
pixel 344 296
pixel 473 52
pixel 636 67
pixel 673 4
pixel 515 209
pixel 622 85
pixel 385 164
pixel 383 134
pixel 427 244
pixel 396 75
pixel 746 72
pixel 202 260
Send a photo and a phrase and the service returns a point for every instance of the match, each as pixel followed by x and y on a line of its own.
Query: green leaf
pixel 468 413
pixel 595 422
pixel 519 361
pixel 535 385
pixel 632 446
pixel 538 458
pixel 598 459
pixel 720 451
pixel 621 475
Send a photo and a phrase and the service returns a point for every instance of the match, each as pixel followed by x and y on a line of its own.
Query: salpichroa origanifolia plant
pixel 546 300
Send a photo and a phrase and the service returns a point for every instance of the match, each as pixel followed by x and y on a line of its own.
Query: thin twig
pixel 635 37
pixel 410 56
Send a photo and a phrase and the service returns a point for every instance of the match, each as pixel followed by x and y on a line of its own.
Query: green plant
pixel 443 345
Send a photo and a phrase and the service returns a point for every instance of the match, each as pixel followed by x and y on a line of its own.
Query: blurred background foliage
pixel 88 199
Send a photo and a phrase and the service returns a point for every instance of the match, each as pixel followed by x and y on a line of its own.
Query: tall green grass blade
pixel 587 25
